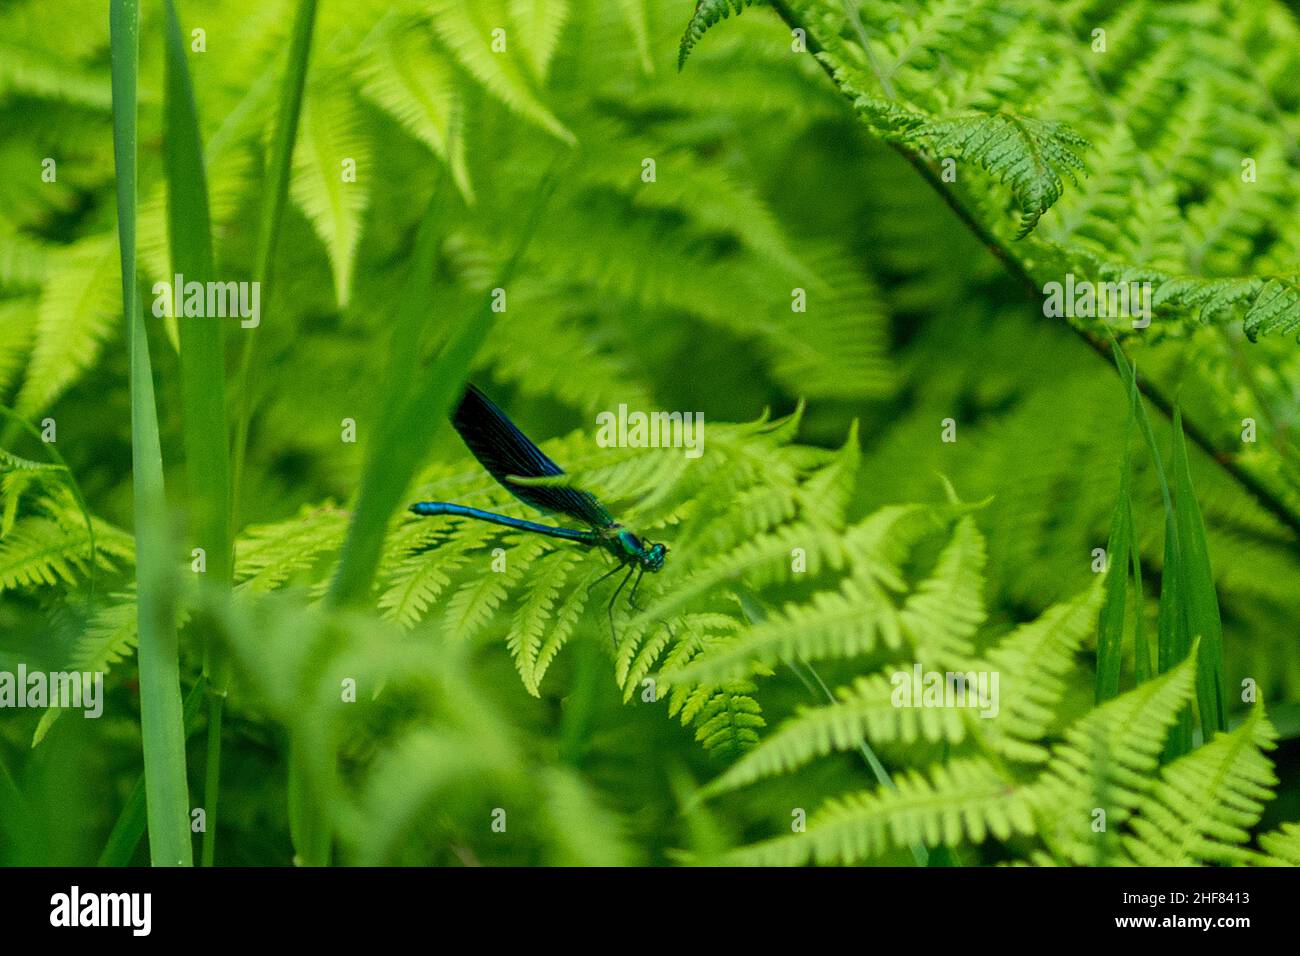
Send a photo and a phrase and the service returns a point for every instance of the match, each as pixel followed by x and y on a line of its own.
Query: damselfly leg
pixel 609 608
pixel 631 598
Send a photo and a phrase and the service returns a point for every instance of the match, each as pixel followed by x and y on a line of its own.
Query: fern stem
pixel 1266 497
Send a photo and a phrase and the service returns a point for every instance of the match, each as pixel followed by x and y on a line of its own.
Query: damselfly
pixel 507 453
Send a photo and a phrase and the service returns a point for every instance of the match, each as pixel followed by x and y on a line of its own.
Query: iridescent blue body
pixel 507 453
pixel 614 538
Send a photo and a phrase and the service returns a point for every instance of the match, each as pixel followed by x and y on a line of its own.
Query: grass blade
pixel 1196 586
pixel 203 378
pixel 162 727
pixel 1142 666
pixel 1110 626
pixel 127 832
pixel 1173 641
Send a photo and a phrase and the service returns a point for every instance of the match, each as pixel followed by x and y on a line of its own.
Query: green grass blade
pixel 127 832
pixel 1199 601
pixel 1129 372
pixel 203 378
pixel 1110 627
pixel 202 343
pixel 1142 666
pixel 162 727
pixel 271 214
pixel 1172 639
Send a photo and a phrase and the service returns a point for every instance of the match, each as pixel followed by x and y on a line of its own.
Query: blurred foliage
pixel 741 693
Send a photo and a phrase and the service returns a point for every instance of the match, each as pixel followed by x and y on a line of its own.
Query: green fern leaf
pixel 466 29
pixel 1033 661
pixel 707 13
pixel 536 613
pixel 1206 802
pixel 1107 761
pixel 864 711
pixel 330 148
pixel 79 308
pixel 1026 154
pixel 540 23
pixel 401 74
pixel 941 616
pixel 963 801
pixel 1282 845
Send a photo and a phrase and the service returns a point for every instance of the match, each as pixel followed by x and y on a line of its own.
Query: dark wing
pixel 504 450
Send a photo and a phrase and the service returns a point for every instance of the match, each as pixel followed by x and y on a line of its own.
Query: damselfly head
pixel 653 560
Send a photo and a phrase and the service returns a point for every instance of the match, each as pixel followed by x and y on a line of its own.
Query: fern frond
pixel 853 620
pixel 707 14
pixel 536 613
pixel 1028 155
pixel 402 75
pixel 963 801
pixel 1282 846
pixel 330 147
pixel 941 616
pixel 80 303
pixel 266 556
pixel 1107 762
pixel 1206 802
pixel 864 711
pixel 466 29
pixel 53 547
pixel 540 23
pixel 1033 661
pixel 476 601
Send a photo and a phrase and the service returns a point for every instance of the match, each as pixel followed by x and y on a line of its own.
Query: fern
pixel 79 303
pixel 331 178
pixel 1104 764
pixel 404 77
pixel 983 48
pixel 51 545
pixel 468 33
pixel 1282 845
pixel 707 13
pixel 1027 155
pixel 961 801
pixel 539 22
pixel 1206 802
